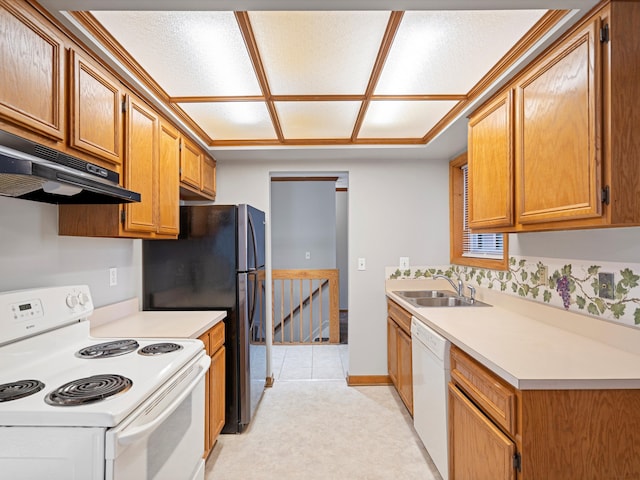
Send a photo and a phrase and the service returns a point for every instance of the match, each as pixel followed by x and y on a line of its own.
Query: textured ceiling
pixel 317 77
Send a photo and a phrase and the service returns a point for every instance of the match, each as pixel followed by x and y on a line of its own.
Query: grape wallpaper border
pixel 569 284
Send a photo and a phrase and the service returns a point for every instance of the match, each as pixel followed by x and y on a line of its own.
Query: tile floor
pixel 310 362
pixel 310 425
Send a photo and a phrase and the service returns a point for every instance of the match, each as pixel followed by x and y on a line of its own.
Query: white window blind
pixel 479 245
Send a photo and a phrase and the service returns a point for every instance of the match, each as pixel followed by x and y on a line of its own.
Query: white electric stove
pixel 76 407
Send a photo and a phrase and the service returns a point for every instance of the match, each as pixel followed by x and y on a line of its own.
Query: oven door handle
pixel 130 436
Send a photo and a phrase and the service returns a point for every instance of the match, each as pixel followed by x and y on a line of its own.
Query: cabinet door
pixel 141 165
pixel 169 180
pixel 208 176
pixel 392 350
pixel 32 73
pixel 96 105
pixel 207 399
pixel 478 450
pixel 558 155
pixel 405 374
pixel 190 169
pixel 490 163
pixel 217 399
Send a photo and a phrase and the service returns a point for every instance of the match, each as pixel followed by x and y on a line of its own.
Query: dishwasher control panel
pixel 435 342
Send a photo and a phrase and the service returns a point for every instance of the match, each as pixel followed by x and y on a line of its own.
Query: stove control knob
pixel 83 298
pixel 72 301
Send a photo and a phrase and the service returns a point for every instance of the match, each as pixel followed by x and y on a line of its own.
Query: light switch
pixel 404 262
pixel 362 264
pixel 307 255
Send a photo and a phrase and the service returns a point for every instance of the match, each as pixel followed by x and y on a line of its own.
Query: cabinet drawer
pixel 400 316
pixel 216 337
pixel 492 394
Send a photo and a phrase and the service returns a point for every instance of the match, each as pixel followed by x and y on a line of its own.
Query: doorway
pixel 309 227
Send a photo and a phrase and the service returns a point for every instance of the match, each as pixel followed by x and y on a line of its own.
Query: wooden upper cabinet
pixel 190 164
pixel 151 169
pixel 95 110
pixel 575 139
pixel 169 180
pixel 141 165
pixel 197 173
pixel 32 73
pixel 558 141
pixel 490 161
pixel 208 176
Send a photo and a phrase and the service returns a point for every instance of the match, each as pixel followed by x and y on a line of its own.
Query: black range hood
pixel 35 172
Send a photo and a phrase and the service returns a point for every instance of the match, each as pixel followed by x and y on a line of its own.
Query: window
pixel 485 250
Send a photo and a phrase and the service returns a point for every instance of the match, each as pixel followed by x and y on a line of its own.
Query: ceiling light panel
pixel 232 120
pixel 402 119
pixel 301 120
pixel 186 53
pixel 448 52
pixel 325 52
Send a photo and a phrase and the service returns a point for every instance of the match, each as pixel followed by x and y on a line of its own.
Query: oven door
pixel 163 439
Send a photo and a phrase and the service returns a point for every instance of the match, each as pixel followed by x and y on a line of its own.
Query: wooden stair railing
pixel 286 330
pixel 291 316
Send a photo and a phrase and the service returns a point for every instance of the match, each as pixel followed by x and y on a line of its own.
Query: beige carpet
pixel 317 429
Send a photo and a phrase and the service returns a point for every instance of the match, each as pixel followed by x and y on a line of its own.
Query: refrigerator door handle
pixel 253 301
pixel 254 243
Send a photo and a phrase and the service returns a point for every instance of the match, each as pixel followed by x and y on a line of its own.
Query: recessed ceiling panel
pixel 317 119
pixel 186 53
pixel 232 120
pixel 307 53
pixel 402 119
pixel 448 52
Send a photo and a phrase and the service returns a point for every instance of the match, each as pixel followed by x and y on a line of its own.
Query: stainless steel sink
pixel 438 298
pixel 424 293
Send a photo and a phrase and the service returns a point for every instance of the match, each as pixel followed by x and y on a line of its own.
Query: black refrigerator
pixel 217 263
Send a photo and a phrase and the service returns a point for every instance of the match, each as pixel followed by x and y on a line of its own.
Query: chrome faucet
pixel 459 288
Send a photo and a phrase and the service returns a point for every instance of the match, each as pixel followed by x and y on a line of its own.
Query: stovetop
pixel 52 358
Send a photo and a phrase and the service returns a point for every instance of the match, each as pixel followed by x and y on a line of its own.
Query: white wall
pixel 303 220
pixel 342 245
pixel 33 255
pixel 396 208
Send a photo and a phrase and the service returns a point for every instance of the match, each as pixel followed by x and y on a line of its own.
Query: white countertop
pixel 155 324
pixel 531 345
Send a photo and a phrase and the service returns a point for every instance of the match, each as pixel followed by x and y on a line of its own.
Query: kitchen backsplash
pixel 575 285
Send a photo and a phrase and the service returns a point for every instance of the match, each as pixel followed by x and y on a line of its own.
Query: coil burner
pixel 19 389
pixel 108 349
pixel 88 390
pixel 159 348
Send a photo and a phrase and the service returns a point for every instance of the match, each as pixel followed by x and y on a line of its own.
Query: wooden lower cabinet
pixel 499 432
pixel 214 412
pixel 479 450
pixel 405 373
pixel 392 350
pixel 399 352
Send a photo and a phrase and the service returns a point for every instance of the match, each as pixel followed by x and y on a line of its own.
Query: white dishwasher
pixel 430 370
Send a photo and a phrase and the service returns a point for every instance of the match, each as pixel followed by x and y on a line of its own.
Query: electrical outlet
pixel 362 264
pixel 113 277
pixel 404 262
pixel 307 255
pixel 605 285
